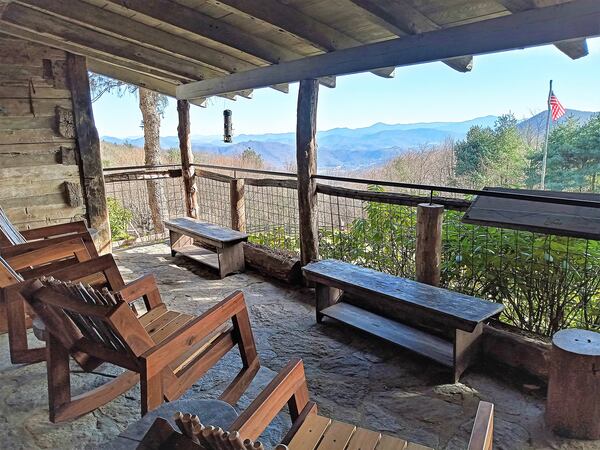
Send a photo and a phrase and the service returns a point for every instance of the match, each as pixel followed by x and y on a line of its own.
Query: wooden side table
pixel 573 405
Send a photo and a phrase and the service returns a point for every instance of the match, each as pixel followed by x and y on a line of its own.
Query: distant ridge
pixel 346 147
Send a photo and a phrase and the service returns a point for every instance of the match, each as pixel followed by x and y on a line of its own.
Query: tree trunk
pixel 151 119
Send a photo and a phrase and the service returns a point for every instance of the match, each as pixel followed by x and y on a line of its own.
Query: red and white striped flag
pixel 555 107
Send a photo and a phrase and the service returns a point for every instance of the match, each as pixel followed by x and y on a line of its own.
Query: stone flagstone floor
pixel 353 377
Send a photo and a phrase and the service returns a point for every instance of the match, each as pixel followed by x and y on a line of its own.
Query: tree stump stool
pixel 573 404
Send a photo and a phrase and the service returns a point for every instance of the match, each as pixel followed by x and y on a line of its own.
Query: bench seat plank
pixel 205 230
pixel 460 311
pixel 407 337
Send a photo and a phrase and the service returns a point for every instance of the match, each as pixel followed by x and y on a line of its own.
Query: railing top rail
pixel 422 187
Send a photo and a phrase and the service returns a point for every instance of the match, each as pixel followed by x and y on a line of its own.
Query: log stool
pixel 573 405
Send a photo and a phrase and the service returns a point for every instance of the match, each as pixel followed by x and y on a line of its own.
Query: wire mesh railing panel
pixel 272 217
pixel 138 207
pixel 377 235
pixel 545 282
pixel 213 201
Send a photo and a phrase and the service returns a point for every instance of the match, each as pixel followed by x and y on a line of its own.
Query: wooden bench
pixel 228 256
pixel 382 295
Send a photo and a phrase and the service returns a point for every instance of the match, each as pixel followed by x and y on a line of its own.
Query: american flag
pixel 556 108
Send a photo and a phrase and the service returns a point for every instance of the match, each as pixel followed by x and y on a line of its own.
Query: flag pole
pixel 545 157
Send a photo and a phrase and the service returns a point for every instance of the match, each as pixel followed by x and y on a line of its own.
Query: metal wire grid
pixel 372 234
pixel 272 217
pixel 214 201
pixel 132 195
pixel 545 282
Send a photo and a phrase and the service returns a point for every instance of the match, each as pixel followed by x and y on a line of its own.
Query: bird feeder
pixel 227 126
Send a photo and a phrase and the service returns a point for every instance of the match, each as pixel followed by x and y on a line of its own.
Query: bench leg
pixel 467 349
pixel 231 259
pixel 178 241
pixel 325 296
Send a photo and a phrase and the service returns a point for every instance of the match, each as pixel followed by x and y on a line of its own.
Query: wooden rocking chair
pixel 309 430
pixel 14 242
pixel 164 350
pixel 17 273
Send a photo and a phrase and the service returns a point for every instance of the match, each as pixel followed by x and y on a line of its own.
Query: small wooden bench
pixel 384 295
pixel 228 256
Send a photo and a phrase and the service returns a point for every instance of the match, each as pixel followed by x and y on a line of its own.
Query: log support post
pixel 428 257
pixel 187 159
pixel 238 204
pixel 306 158
pixel 88 144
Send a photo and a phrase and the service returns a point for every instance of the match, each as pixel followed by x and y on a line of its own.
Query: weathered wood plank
pixel 22 175
pixel 40 107
pixel 37 93
pixel 199 229
pixel 31 136
pixel 457 310
pixel 27 123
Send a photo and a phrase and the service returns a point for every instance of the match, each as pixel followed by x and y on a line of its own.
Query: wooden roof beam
pixel 310 30
pixel 15 31
pixel 139 33
pixel 136 78
pixel 45 25
pixel 531 28
pixel 574 49
pixel 399 17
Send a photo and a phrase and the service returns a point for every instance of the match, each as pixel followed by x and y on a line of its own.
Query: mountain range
pixel 348 147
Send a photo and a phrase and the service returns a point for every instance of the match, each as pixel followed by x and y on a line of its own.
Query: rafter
pixel 36 21
pixel 401 18
pixel 123 27
pixel 535 27
pixel 310 30
pixel 574 49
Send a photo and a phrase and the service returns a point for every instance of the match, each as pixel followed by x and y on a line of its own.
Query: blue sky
pixel 514 82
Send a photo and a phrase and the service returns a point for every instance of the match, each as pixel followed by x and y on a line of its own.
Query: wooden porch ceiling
pixel 162 44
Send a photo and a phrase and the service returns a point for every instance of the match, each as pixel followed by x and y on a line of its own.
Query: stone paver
pixel 353 377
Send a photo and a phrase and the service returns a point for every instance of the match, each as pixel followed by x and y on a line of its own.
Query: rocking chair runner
pixel 164 350
pixel 309 430
pixel 14 242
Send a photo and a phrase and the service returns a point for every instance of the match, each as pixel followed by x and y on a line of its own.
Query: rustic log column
pixel 88 144
pixel 573 404
pixel 428 257
pixel 187 159
pixel 306 159
pixel 238 204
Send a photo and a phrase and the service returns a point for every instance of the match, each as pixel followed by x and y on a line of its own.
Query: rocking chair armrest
pixel 288 387
pixel 13 250
pixel 55 230
pixel 482 435
pixel 144 286
pixel 73 247
pixel 193 332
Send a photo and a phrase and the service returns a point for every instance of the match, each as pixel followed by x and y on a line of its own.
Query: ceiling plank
pixel 574 49
pixel 218 31
pixel 15 31
pixel 527 29
pixel 401 18
pixel 44 24
pixel 310 30
pixel 124 27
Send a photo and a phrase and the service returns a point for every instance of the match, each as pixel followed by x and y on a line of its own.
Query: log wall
pixel 40 177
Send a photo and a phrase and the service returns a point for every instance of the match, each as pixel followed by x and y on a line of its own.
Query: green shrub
pixel 119 218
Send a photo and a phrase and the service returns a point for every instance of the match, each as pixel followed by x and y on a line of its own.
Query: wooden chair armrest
pixel 482 435
pixel 194 331
pixel 18 249
pixel 105 264
pixel 288 387
pixel 55 230
pixel 73 247
pixel 144 286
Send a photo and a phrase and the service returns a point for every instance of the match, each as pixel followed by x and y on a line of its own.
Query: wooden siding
pixel 38 151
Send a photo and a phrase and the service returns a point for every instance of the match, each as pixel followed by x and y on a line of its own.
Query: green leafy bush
pixel 119 218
